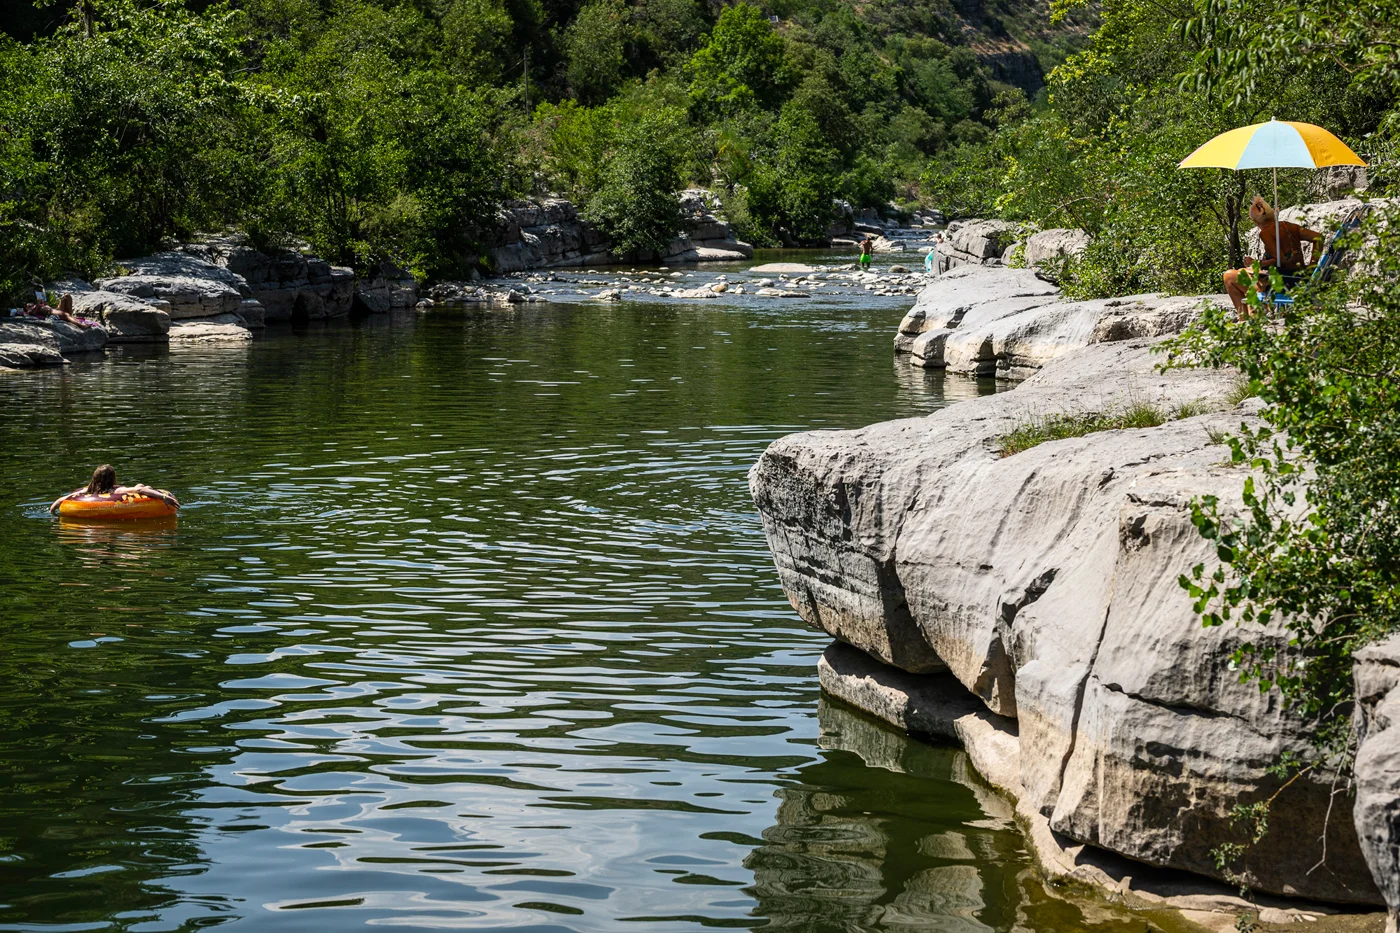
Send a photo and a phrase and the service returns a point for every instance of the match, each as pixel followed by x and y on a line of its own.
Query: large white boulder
pixel 52 334
pixel 1047 250
pixel 191 286
pixel 126 319
pixel 975 242
pixel 1046 583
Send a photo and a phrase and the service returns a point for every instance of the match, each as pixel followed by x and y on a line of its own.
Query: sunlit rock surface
pixel 1377 813
pixel 1011 322
pixel 27 342
pixel 1046 583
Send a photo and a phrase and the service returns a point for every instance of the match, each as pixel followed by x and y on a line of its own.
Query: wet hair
pixel 104 480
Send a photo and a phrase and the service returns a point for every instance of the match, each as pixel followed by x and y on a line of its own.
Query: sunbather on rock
pixel 1279 237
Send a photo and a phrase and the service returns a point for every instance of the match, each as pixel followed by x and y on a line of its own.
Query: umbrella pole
pixel 1278 244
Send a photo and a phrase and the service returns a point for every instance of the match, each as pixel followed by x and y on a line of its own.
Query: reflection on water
pixel 466 623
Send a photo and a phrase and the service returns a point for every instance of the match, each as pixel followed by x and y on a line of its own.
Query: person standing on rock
pixel 866 245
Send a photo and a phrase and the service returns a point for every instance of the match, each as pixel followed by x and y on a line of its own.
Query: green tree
pixel 741 62
pixel 479 34
pixel 116 140
pixel 636 204
pixel 595 49
pixel 792 186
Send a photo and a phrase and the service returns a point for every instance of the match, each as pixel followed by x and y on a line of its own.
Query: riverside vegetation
pixel 393 129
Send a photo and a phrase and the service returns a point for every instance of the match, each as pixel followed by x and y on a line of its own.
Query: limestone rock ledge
pixel 1011 322
pixel 1046 584
pixel 27 343
pixel 938 706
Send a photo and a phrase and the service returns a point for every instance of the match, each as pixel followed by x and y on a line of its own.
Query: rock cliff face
pixel 549 233
pixel 1011 322
pixel 1377 812
pixel 286 283
pixel 1046 584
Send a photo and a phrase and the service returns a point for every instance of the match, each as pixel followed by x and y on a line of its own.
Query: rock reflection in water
pixel 913 852
pixel 927 847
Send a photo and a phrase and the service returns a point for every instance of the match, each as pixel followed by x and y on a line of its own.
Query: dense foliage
pixel 1157 80
pixel 392 129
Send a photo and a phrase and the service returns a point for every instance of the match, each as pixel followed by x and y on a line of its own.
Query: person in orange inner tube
pixel 104 482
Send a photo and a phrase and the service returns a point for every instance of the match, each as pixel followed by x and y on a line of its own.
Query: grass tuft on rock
pixel 1040 429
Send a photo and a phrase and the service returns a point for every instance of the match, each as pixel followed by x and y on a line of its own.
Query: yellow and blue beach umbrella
pixel 1276 144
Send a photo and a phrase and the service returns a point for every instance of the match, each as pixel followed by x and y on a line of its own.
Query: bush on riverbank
pixel 1318 545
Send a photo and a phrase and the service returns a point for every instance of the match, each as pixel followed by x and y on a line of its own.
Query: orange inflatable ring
pixel 123 506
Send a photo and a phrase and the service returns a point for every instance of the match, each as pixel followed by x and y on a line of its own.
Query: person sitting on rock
pixel 1279 238
pixel 866 245
pixel 104 483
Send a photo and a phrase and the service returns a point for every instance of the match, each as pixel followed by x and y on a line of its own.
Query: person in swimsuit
pixel 104 483
pixel 1289 245
pixel 64 311
pixel 866 245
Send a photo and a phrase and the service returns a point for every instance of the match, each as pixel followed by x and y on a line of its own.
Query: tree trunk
pixel 1234 207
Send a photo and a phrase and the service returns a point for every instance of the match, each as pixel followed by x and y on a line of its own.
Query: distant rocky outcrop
pixel 187 286
pixel 550 233
pixel 288 284
pixel 216 290
pixel 1011 322
pixel 975 243
pixel 1045 585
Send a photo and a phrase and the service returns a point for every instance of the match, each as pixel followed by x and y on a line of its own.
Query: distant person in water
pixel 931 260
pixel 866 245
pixel 104 483
pixel 1283 247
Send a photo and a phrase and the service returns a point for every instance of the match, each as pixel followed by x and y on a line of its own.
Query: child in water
pixel 104 483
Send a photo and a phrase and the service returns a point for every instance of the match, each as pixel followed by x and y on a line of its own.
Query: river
pixel 468 622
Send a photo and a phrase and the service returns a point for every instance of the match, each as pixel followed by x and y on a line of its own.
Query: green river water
pixel 468 623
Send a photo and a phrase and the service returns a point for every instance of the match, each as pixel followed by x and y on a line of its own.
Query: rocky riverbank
pixel 1028 605
pixel 549 233
pixel 219 289
pixel 995 321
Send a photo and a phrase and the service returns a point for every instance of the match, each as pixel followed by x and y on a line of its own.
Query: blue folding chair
pixel 1326 263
